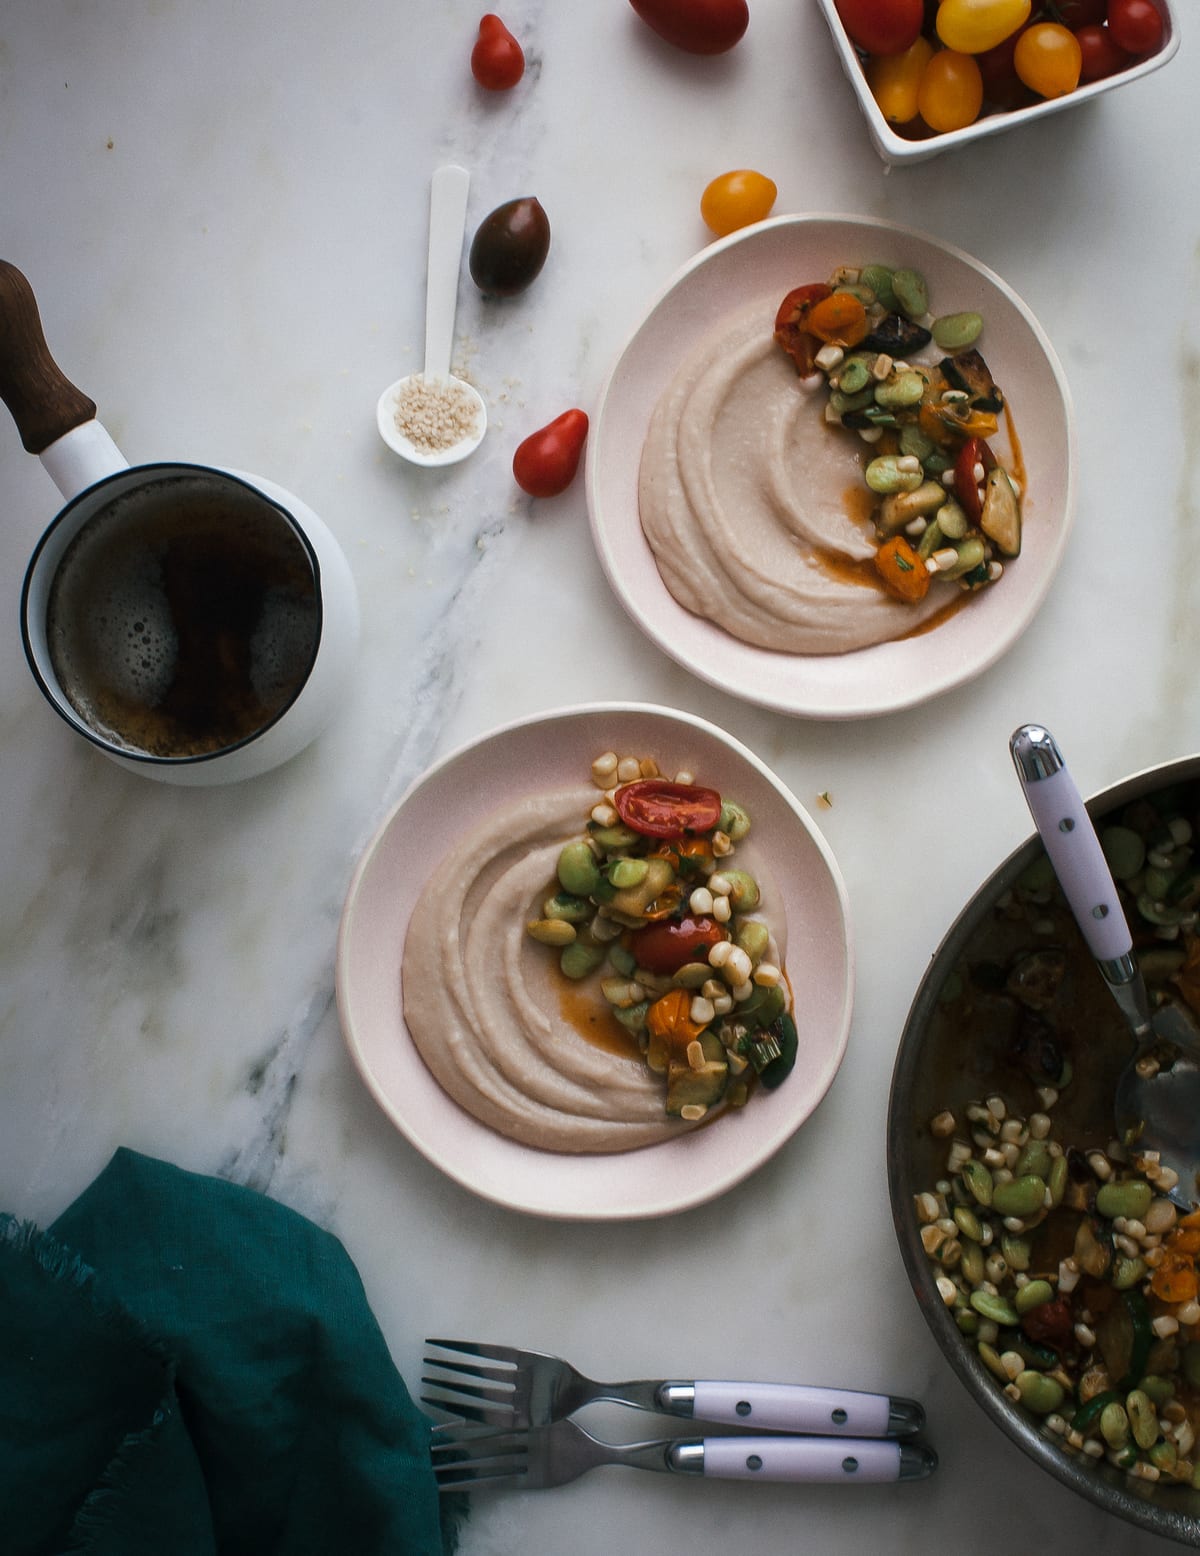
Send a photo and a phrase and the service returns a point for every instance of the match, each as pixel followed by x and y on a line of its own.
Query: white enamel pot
pixel 58 423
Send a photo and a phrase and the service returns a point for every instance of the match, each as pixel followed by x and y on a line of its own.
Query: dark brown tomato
pixel 510 247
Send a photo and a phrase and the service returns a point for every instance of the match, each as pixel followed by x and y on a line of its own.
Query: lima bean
pixel 578 872
pixel 911 293
pixel 1130 1198
pixel 955 331
pixel 884 474
pixel 1143 1418
pixel 1039 1393
pixel 1019 1196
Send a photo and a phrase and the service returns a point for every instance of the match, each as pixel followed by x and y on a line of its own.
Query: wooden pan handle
pixel 44 403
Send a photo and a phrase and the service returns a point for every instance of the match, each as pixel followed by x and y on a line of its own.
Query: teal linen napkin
pixel 188 1367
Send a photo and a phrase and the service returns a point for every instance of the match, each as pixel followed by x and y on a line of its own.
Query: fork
pixel 544 1456
pixel 501 1386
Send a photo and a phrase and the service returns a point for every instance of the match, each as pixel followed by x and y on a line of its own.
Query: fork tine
pixel 500 1353
pixel 495 1457
pixel 492 1415
pixel 505 1377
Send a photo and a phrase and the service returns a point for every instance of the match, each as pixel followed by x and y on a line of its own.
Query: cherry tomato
pixel 791 325
pixel 1100 56
pixel 546 462
pixel 665 947
pixel 1080 13
pixel 656 808
pixel 971 26
pixel 510 247
pixel 497 60
pixel 966 488
pixel 1053 1323
pixel 1136 25
pixel 735 200
pixel 1048 59
pixel 697 26
pixel 951 91
pixel 839 320
pixel 882 26
pixel 894 80
pixel 1002 86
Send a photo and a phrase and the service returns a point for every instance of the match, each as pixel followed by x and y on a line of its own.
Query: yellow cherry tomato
pixel 951 91
pixel 974 26
pixel 895 80
pixel 735 200
pixel 1048 59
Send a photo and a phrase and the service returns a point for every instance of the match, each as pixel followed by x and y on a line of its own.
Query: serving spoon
pixel 436 390
pixel 1157 1101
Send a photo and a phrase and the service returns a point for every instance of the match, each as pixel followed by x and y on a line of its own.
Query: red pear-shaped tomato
pixel 698 26
pixel 546 462
pixel 497 60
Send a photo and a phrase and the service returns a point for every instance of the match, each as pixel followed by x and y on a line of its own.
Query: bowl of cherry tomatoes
pixel 931 75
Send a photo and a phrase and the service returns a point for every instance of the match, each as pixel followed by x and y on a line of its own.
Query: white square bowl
pixel 896 149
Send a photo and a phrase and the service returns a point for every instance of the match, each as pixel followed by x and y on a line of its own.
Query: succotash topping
pixel 947 510
pixel 650 901
pixel 1071 1270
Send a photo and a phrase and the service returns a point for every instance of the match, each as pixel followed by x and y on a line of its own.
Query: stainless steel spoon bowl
pixel 1157 1101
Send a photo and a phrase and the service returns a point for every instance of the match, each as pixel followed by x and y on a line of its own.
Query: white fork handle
pixel 793 1407
pixel 803 1459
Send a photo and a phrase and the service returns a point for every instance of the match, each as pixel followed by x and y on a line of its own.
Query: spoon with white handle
pixel 431 417
pixel 1157 1102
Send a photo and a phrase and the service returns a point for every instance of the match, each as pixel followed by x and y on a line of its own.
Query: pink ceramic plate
pixel 766 261
pixel 549 752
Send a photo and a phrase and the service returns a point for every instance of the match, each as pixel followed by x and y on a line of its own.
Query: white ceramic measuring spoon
pixel 448 400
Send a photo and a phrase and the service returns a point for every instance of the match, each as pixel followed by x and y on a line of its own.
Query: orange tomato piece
pixel 1174 1285
pixel 670 1018
pixel 839 320
pixel 904 574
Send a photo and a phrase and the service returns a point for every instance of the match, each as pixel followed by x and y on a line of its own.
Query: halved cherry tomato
pixel 1048 59
pixel 656 808
pixel 497 60
pixel 839 320
pixel 1136 25
pixel 546 462
pixel 973 452
pixel 665 947
pixel 791 325
pixel 670 1018
pixel 1100 54
pixel 882 26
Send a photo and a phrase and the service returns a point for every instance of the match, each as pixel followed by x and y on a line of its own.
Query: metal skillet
pixel 1156 1106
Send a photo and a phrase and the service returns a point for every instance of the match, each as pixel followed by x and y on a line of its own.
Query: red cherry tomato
pixel 497 60
pixel 666 946
pixel 656 808
pixel 882 26
pixel 546 462
pixel 791 325
pixel 1099 55
pixel 1002 86
pixel 1080 13
pixel 973 452
pixel 1136 25
pixel 697 26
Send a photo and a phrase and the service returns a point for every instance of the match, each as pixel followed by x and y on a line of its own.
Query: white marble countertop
pixel 223 214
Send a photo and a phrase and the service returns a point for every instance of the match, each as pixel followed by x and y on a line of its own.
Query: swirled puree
pixel 752 494
pixel 544 1058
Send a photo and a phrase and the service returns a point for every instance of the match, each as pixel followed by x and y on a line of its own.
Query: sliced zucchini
pixel 1001 518
pixel 703 1087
